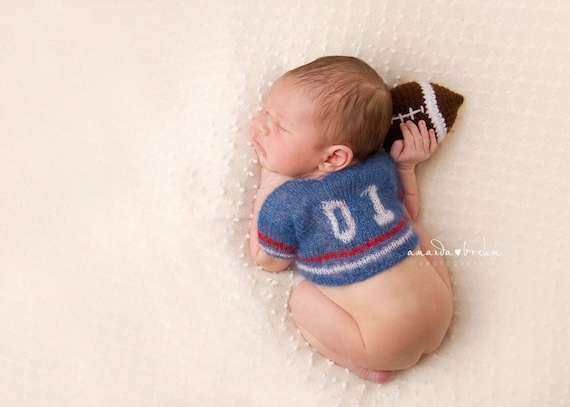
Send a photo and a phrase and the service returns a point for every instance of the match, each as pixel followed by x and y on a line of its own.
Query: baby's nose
pixel 262 124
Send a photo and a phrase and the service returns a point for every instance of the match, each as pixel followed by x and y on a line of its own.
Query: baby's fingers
pixel 412 135
pixel 407 129
pixel 428 138
pixel 432 141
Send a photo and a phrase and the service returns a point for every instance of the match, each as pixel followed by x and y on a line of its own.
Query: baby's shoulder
pixel 291 195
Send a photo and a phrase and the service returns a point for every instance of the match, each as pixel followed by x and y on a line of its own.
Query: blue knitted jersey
pixel 341 229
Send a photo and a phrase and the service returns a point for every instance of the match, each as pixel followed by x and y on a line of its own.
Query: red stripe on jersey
pixel 358 249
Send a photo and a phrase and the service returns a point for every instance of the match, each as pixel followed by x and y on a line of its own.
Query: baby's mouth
pixel 257 146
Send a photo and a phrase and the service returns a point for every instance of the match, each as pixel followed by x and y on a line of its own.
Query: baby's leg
pixel 331 331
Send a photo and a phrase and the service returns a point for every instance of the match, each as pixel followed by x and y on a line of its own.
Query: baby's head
pixel 322 117
pixel 351 103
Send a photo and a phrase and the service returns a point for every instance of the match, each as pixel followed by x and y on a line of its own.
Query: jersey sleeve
pixel 275 225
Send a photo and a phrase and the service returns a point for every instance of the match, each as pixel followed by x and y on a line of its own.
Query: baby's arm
pixel 418 145
pixel 267 183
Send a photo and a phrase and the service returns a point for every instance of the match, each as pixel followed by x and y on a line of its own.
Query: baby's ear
pixel 337 157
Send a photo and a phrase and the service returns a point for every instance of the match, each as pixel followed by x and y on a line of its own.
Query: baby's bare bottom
pixel 373 343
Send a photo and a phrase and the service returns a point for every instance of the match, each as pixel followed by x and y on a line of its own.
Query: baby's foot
pixel 376 376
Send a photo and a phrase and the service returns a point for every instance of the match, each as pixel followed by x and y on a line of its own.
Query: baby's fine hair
pixel 352 104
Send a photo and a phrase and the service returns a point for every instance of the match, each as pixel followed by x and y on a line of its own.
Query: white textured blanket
pixel 127 183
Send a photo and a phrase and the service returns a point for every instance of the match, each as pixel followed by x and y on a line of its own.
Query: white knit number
pixel 346 233
pixel 383 216
pixel 349 232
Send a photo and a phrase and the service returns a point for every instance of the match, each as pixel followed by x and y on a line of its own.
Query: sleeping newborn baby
pixel 345 213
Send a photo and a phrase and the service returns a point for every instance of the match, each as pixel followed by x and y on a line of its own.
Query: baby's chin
pixel 260 160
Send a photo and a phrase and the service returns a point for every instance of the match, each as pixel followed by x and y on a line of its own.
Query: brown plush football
pixel 427 101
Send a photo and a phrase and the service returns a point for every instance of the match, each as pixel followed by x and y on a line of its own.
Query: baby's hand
pixel 418 145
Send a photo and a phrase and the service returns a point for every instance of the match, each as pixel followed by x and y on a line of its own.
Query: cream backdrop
pixel 126 185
